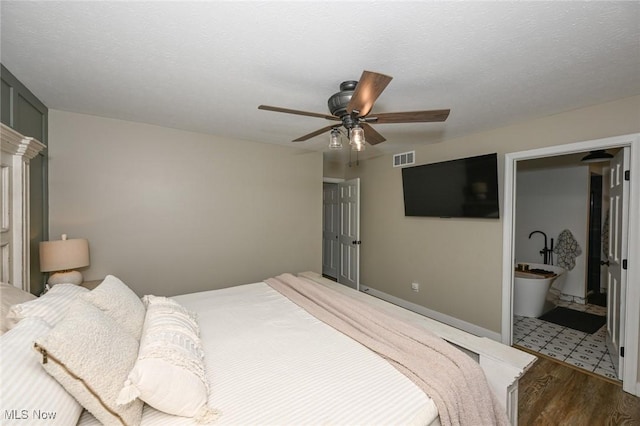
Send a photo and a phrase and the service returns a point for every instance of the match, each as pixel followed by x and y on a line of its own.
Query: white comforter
pixel 271 363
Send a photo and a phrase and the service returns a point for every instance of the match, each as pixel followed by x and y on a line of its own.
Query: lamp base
pixel 66 277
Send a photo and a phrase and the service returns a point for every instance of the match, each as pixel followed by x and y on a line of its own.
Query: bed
pixel 266 358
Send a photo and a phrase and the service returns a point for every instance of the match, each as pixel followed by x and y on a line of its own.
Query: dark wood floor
pixel 551 393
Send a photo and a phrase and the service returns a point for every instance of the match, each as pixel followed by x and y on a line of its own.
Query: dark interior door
pixel 595 235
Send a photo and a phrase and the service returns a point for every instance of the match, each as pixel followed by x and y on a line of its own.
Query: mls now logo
pixel 26 415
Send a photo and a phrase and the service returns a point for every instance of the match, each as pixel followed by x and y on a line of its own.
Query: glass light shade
pixel 357 139
pixel 335 141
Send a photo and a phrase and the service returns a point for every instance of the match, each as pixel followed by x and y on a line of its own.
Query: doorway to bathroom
pixel 623 320
pixel 556 231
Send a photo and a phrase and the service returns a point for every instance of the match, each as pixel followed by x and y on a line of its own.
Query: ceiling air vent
pixel 404 159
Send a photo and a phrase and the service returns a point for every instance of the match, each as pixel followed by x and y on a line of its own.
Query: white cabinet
pixel 16 152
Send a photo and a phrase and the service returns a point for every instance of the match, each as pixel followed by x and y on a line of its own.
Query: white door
pixel 330 229
pixel 617 274
pixel 349 238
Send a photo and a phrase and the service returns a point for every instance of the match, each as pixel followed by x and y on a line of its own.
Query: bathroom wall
pixel 551 199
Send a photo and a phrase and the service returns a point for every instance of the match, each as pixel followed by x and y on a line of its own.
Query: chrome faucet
pixel 545 252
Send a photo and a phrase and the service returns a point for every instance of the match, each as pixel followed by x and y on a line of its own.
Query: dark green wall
pixel 22 111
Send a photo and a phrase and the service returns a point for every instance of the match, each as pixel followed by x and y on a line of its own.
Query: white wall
pixel 171 211
pixel 552 200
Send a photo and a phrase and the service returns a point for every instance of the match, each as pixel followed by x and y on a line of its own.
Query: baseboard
pixel 438 316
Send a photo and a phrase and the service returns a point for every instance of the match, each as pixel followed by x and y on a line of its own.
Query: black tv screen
pixel 466 187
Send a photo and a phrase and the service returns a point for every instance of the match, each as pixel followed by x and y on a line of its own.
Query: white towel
pixel 567 249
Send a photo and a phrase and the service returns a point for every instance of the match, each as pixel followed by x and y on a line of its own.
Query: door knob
pixel 604 262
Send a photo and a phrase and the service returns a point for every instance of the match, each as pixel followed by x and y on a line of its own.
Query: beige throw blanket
pixel 451 378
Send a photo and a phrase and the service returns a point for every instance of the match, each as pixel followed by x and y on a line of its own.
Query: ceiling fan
pixel 351 108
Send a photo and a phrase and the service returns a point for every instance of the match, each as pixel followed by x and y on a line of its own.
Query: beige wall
pixel 172 212
pixel 458 262
pixel 333 166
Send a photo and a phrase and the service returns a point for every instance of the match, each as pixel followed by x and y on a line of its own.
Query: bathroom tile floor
pixel 582 350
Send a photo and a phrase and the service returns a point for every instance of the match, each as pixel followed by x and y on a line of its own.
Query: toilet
pixel 530 290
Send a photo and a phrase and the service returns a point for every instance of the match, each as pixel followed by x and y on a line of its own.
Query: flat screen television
pixel 466 187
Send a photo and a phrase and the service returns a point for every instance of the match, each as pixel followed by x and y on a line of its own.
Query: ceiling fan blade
pixel 297 112
pixel 409 117
pixel 371 135
pixel 316 133
pixel 370 86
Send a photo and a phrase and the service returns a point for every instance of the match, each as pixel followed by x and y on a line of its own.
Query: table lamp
pixel 62 257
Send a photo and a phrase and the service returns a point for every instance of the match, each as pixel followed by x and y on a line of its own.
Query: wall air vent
pixel 404 159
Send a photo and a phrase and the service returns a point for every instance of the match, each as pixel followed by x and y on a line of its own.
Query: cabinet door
pixel 5 104
pixel 22 111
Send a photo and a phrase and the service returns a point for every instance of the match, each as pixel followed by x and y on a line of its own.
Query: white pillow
pixel 29 395
pixel 51 306
pixel 90 355
pixel 118 301
pixel 10 295
pixel 169 373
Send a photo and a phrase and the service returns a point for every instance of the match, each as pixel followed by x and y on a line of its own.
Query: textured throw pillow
pixel 9 296
pixel 51 306
pixel 118 301
pixel 91 355
pixel 29 395
pixel 169 373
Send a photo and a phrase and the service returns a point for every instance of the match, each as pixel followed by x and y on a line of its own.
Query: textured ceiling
pixel 206 66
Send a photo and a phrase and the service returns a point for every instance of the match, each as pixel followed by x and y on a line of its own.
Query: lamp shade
pixel 597 156
pixel 62 255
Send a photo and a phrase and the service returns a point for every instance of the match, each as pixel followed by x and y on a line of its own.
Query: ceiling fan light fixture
pixel 352 105
pixel 335 141
pixel 597 156
pixel 356 139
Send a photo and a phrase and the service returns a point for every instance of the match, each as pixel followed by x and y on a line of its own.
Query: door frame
pixel 630 384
